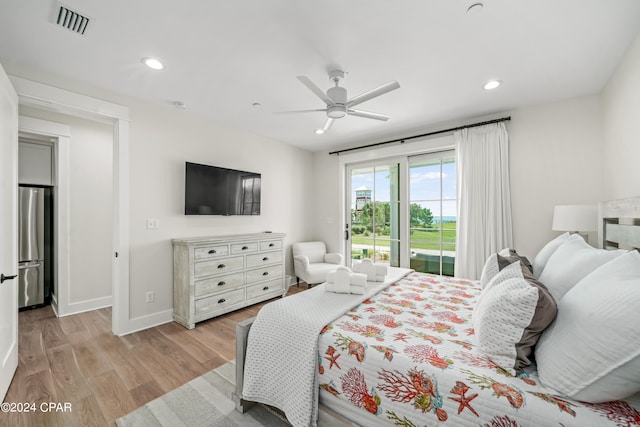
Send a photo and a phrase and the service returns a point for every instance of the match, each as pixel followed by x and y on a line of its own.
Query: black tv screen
pixel 211 190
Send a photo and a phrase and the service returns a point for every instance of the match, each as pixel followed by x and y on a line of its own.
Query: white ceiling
pixel 223 56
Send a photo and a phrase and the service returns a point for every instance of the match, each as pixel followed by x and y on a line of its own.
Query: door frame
pixel 46 97
pixel 9 261
pixel 382 154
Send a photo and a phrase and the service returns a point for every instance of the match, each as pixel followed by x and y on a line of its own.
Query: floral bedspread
pixel 406 357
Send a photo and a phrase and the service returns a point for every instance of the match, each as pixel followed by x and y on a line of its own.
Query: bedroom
pixel 577 150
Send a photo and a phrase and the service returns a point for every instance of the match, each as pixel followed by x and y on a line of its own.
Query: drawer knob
pixel 212 251
pixel 222 283
pixel 221 300
pixel 266 273
pixel 221 266
pixel 265 288
pixel 271 245
pixel 265 258
pixel 244 248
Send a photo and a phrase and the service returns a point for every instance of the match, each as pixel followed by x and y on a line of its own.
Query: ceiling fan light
pixel 337 111
pixel 319 131
pixel 153 63
pixel 492 84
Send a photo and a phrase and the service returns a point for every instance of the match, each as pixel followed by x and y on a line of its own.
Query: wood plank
pixel 89 413
pixel 112 395
pixel 146 392
pixel 90 359
pixel 130 370
pixel 69 382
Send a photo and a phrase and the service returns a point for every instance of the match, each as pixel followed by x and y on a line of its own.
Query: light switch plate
pixel 153 223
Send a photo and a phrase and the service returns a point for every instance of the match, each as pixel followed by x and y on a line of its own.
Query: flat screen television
pixel 211 190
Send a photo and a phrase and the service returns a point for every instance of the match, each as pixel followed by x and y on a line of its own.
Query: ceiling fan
pixel 338 105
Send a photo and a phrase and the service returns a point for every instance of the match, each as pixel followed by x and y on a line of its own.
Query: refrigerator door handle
pixel 29 265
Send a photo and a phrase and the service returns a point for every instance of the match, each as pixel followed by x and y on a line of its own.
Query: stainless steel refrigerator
pixel 31 246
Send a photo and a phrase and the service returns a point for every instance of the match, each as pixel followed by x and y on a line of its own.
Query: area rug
pixel 202 402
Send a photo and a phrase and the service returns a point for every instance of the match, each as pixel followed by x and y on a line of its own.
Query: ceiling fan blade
pixel 387 87
pixel 301 111
pixel 327 125
pixel 315 89
pixel 368 115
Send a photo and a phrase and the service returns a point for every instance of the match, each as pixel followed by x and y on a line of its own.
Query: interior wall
pixel 555 159
pixel 621 124
pixel 162 140
pixel 90 205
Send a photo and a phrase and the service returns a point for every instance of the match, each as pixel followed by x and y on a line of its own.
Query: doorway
pixel 37 95
pixel 81 180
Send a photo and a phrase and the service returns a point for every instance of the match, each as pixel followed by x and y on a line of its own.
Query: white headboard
pixel 619 224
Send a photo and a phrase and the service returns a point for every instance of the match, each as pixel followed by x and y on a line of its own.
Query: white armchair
pixel 311 262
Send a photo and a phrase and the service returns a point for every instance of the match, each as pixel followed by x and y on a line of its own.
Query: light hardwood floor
pixel 77 360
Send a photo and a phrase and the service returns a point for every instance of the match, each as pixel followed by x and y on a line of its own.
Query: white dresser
pixel 218 274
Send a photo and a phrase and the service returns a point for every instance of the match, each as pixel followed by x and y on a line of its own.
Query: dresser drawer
pixel 211 252
pixel 265 288
pixel 267 245
pixel 218 284
pixel 264 258
pixel 219 302
pixel 265 273
pixel 244 248
pixel 218 266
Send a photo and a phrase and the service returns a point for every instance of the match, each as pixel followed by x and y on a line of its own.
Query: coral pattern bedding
pixel 406 357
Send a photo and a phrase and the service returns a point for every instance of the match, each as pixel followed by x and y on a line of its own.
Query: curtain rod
pixel 402 140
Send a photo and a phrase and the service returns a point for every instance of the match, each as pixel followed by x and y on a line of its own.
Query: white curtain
pixel 484 197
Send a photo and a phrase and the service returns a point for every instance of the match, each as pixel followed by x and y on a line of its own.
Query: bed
pixel 408 351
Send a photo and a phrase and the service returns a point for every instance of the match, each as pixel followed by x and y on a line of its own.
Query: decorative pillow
pixel 591 352
pixel 496 262
pixel 511 313
pixel 541 259
pixel 571 262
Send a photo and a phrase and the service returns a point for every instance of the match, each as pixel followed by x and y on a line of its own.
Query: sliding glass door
pixel 402 212
pixel 373 221
pixel 432 213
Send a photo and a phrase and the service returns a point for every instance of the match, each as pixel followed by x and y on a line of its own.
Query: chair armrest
pixel 301 262
pixel 333 258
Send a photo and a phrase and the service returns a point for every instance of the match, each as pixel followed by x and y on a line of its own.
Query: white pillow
pixel 592 352
pixel 510 315
pixel 496 262
pixel 543 256
pixel 572 261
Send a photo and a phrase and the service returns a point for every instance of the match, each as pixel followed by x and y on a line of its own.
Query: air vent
pixel 71 20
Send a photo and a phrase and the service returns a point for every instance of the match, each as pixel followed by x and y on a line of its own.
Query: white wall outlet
pixel 153 223
pixel 151 296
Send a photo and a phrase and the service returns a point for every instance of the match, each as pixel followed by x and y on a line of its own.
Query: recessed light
pixel 153 63
pixel 492 84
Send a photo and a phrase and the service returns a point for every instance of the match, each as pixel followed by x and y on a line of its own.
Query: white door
pixel 8 232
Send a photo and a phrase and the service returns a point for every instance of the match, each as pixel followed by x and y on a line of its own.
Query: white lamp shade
pixel 575 218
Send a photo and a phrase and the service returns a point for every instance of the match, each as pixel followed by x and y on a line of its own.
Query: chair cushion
pixel 313 250
pixel 317 273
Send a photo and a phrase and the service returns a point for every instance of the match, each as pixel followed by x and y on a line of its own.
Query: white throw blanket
pixel 282 352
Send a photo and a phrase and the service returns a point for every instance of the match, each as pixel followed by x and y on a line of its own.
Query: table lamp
pixel 578 219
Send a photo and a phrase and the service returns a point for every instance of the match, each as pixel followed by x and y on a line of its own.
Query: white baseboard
pixel 145 322
pixel 83 306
